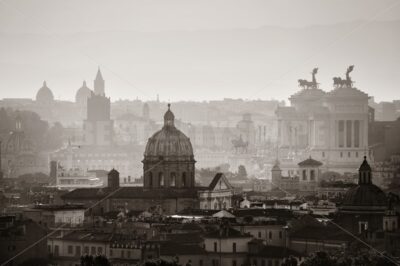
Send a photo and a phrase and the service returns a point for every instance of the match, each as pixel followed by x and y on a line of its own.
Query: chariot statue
pixel 305 84
pixel 240 145
pixel 338 82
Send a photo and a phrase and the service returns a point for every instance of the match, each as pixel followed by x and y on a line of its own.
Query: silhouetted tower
pixel 99 88
pixel 276 174
pixel 113 179
pixel 98 126
pixel 53 172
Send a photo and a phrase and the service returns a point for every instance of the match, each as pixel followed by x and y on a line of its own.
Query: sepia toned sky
pixel 197 50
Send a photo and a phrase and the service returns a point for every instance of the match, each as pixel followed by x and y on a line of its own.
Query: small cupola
pixel 364 171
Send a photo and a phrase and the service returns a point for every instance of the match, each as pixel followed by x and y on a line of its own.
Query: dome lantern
pixel 364 173
pixel 169 117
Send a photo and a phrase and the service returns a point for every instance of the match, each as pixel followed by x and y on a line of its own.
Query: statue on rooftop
pixel 338 82
pixel 305 84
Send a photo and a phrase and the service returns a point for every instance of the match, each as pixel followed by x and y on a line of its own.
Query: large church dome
pixel 44 94
pixel 169 142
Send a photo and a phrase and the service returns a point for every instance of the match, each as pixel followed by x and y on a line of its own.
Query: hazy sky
pixel 24 20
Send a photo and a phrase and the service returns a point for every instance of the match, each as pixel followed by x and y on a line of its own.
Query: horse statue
pixel 240 144
pixel 338 82
pixel 305 84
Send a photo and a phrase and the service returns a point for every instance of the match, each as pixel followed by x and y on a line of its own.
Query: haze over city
pixel 197 50
pixel 199 133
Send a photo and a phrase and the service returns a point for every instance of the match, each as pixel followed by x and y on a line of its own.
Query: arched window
pixel 161 179
pixel 150 179
pixel 215 206
pixel 172 179
pixel 184 181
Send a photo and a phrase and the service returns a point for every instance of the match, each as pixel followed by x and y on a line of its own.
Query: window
pixel 234 247
pixel 341 154
pixel 56 250
pixel 233 262
pixel 280 234
pixel 312 175
pixel 356 154
pixel 150 179
pixel 215 246
pixel 269 262
pixel 304 174
pixel 122 254
pixel 128 254
pixel 86 250
pixel 362 226
pixel 99 250
pixel 172 179
pixel 263 263
pixel 70 249
pixel 270 235
pixel 200 262
pixel 255 262
pixel 341 133
pixel 161 179
pixel 349 133
pixel 323 154
pixel 276 262
pixel 357 133
pixel 78 250
pixel 259 234
pixel 184 183
pixel 349 154
pixel 93 250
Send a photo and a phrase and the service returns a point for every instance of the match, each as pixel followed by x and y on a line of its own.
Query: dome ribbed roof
pixel 169 141
pixel 83 93
pixel 365 195
pixel 44 94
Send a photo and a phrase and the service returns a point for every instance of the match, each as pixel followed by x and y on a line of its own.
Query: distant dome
pixel 169 142
pixel 44 94
pixel 366 195
pixel 82 94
